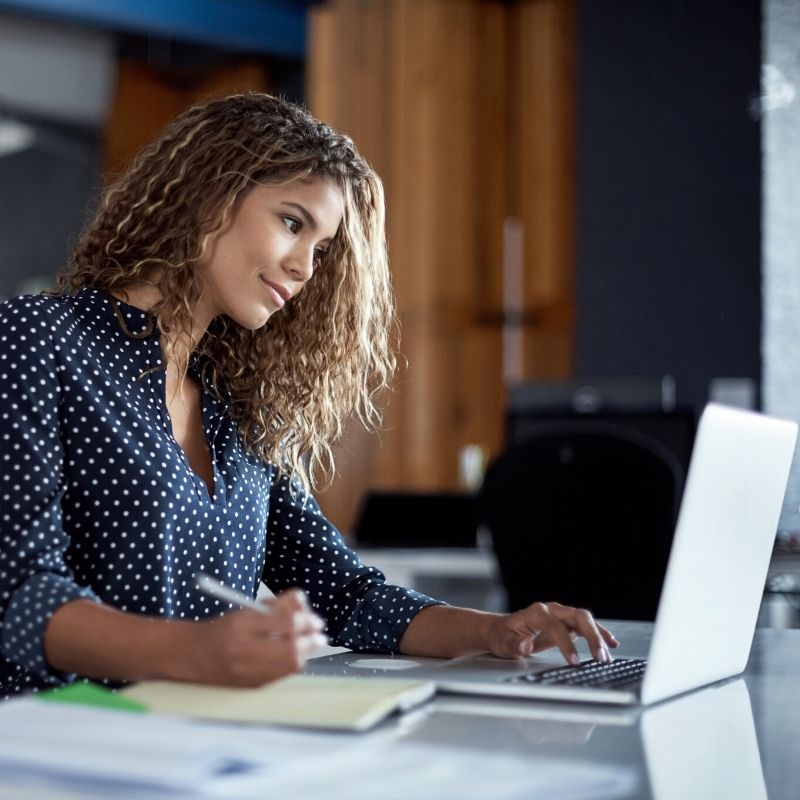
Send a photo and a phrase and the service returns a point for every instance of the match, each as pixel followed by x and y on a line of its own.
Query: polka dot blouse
pixel 98 501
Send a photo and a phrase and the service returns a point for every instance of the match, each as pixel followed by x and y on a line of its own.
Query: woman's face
pixel 269 249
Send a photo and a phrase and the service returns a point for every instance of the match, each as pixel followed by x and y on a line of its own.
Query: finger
pixel 542 642
pixel 286 624
pixel 609 637
pixel 581 621
pixel 560 635
pixel 306 622
pixel 543 622
pixel 290 602
pixel 526 646
pixel 545 642
pixel 252 624
pixel 292 599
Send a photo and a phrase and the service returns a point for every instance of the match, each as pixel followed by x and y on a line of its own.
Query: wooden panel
pixel 147 98
pixel 543 191
pixel 445 98
pixel 348 74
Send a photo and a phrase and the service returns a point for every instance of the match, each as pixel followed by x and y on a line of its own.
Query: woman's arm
pixel 34 577
pixel 305 550
pixel 367 614
pixel 241 648
pixel 447 632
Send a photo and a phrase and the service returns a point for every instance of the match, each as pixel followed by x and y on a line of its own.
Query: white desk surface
pixel 702 745
pixel 698 740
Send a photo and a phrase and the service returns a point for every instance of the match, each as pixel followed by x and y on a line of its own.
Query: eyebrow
pixel 307 216
pixel 304 213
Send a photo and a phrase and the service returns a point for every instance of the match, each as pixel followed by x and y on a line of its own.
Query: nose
pixel 299 263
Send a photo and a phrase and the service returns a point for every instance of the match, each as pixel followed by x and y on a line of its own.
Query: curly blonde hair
pixel 328 352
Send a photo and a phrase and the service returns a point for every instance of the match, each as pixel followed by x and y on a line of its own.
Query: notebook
pixel 336 703
pixel 712 589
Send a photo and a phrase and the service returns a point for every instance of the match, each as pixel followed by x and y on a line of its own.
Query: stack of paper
pixel 111 752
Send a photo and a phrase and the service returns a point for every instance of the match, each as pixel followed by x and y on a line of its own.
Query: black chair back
pixel 584 518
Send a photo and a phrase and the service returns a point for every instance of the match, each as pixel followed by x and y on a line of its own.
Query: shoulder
pixel 28 321
pixel 32 311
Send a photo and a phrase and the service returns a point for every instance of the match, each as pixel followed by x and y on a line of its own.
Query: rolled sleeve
pixel 34 578
pixel 26 617
pixel 306 551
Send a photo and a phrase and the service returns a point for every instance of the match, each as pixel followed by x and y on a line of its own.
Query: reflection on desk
pixel 704 745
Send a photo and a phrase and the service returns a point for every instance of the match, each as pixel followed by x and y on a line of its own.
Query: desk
pixel 694 744
pixel 707 745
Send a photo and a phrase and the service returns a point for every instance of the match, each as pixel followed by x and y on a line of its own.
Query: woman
pixel 167 405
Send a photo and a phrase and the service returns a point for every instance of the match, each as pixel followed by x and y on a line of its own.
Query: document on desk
pixel 313 701
pixel 102 752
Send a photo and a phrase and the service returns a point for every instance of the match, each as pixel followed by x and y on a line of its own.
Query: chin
pixel 253 321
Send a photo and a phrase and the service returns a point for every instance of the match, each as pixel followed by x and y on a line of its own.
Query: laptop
pixel 710 599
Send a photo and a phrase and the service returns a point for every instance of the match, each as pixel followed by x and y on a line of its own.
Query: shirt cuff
pixel 26 617
pixel 382 619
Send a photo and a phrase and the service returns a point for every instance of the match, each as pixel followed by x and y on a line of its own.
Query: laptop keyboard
pixel 619 673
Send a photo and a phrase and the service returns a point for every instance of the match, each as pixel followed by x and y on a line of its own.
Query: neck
pixel 145 297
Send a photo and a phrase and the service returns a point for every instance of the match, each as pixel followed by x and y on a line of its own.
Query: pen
pixel 213 587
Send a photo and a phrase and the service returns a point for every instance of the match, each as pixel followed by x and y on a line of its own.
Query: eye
pixel 319 256
pixel 292 224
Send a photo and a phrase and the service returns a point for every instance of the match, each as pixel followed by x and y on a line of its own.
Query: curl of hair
pixel 326 355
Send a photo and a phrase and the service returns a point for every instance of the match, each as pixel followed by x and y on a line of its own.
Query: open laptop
pixel 709 602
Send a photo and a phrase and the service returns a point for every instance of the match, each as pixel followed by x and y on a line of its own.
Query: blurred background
pixel 593 207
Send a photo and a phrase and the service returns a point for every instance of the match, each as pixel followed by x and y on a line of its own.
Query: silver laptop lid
pixel 721 550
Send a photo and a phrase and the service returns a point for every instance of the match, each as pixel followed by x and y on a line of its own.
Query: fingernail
pixel 574 660
pixel 522 649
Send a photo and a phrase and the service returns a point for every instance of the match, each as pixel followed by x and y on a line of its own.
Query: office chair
pixel 585 518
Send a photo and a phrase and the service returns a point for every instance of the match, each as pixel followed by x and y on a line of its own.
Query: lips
pixel 279 293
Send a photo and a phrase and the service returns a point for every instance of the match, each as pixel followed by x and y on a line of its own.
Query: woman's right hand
pixel 248 648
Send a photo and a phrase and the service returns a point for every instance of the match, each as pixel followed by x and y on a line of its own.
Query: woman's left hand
pixel 544 625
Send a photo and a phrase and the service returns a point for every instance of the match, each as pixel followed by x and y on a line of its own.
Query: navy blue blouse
pixel 97 499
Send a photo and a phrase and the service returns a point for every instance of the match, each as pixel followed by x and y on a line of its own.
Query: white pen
pixel 213 587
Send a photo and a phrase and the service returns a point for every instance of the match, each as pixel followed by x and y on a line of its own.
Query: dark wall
pixel 44 192
pixel 669 188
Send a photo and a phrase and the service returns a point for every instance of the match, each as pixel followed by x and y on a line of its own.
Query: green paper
pixel 90 694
